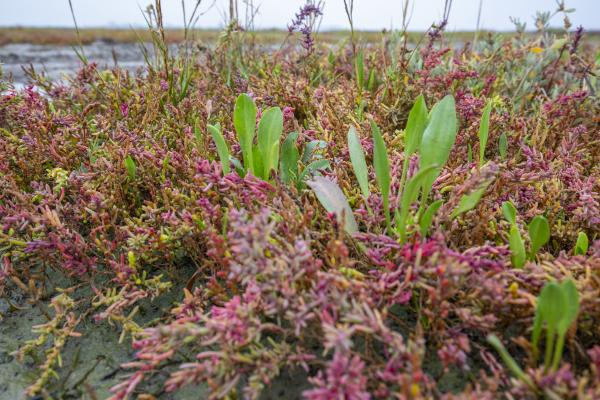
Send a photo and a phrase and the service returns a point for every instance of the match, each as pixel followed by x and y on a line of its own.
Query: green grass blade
pixel 382 170
pixel 359 164
pixel 484 129
pixel 509 361
pixel 222 149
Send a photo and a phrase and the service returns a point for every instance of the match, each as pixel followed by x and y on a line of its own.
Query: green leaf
pixel 312 168
pixel 244 120
pixel 438 139
pixel 571 309
pixel 510 212
pixel 469 154
pixel 484 129
pixel 270 129
pixel 410 195
pixel 360 70
pixel 333 200
pixel 222 149
pixel 509 361
pixel 469 201
pixel 357 156
pixel 539 233
pixel 517 247
pixel 310 148
pixel 289 159
pixel 130 167
pixel 581 246
pixel 417 122
pixel 428 215
pixel 503 146
pixel 382 170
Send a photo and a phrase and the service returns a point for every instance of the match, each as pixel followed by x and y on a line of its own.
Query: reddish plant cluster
pixel 266 282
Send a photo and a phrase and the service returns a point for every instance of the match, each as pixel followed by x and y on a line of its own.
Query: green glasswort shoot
pixel 539 234
pixel 357 157
pixel 484 129
pixel 382 171
pixel 557 308
pixel 581 246
pixel 222 149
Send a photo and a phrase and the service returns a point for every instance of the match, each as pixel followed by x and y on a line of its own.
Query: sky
pixel 369 14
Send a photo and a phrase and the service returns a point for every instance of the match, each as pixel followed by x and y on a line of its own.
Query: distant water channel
pixel 58 61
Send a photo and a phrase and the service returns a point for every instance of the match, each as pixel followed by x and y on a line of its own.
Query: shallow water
pixel 58 61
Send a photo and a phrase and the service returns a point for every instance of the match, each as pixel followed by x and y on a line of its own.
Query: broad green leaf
pixel 270 129
pixel 244 120
pixel 289 159
pixel 552 304
pixel 417 122
pixel 539 233
pixel 258 161
pixel 510 212
pixel 382 170
pixel 410 195
pixel 517 248
pixel 130 167
pixel 359 165
pixel 438 139
pixel 581 247
pixel 469 201
pixel 332 198
pixel 222 149
pixel 484 129
pixel 503 146
pixel 428 215
pixel 571 309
